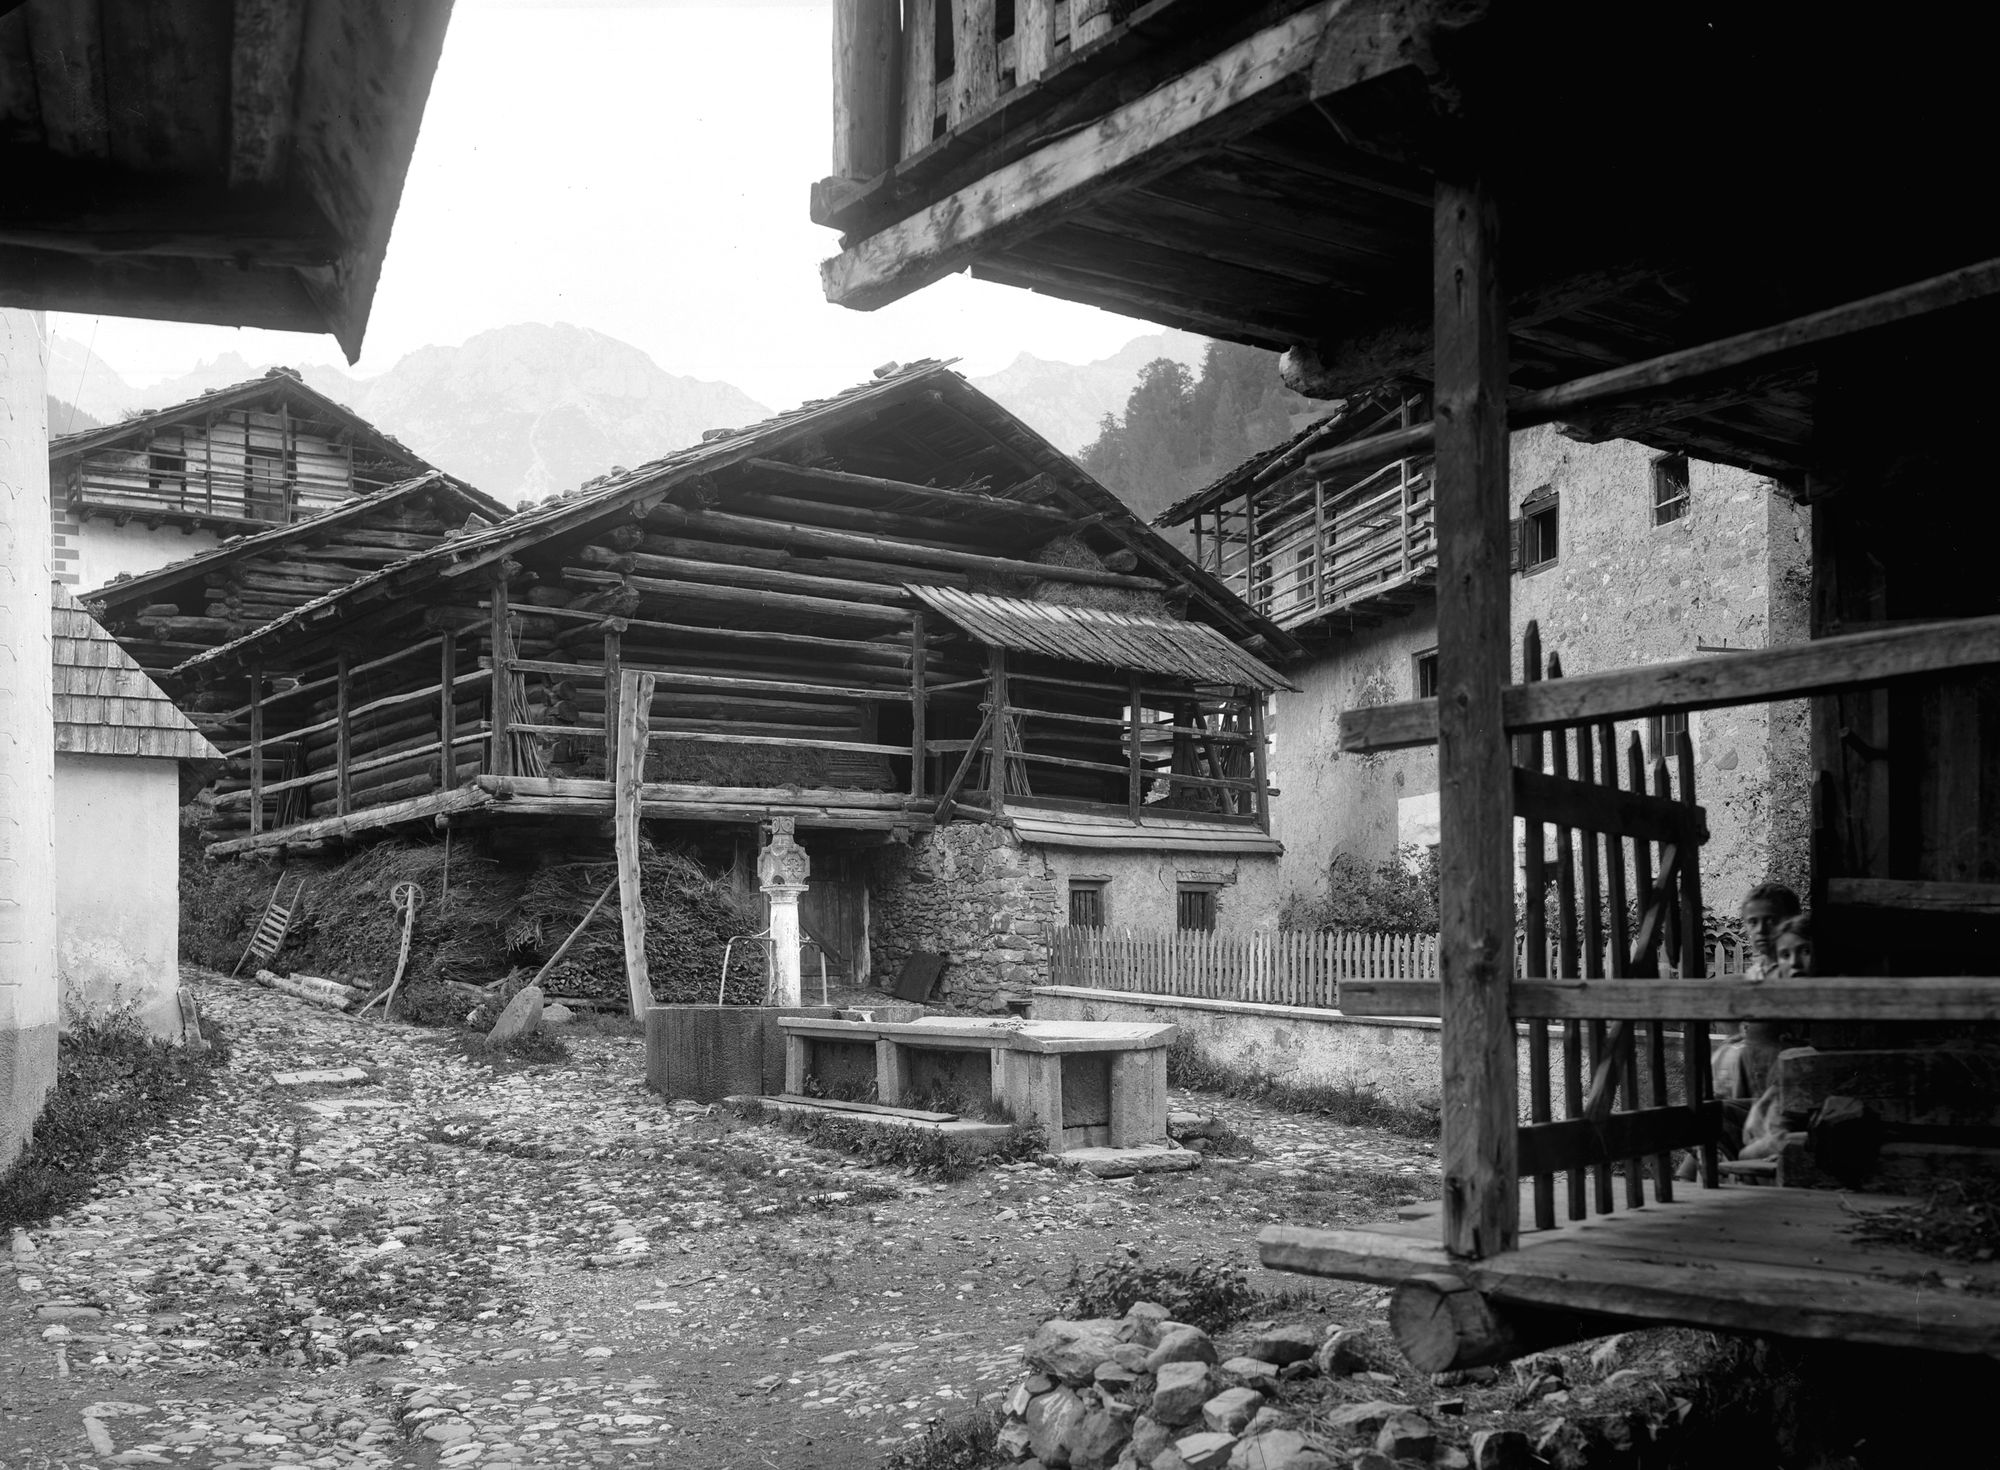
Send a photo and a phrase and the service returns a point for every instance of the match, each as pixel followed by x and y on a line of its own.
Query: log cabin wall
pixel 764 580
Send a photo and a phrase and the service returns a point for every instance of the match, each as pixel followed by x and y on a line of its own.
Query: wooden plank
pixel 500 638
pixel 256 750
pixel 1715 681
pixel 635 700
pixel 67 43
pixel 1229 96
pixel 435 804
pixel 724 596
pixel 1916 895
pixel 1539 797
pixel 1720 998
pixel 919 78
pixel 1571 1143
pixel 1476 819
pixel 837 1106
pixel 867 87
pixel 999 748
pixel 844 484
pixel 1034 39
pixel 343 747
pixel 919 702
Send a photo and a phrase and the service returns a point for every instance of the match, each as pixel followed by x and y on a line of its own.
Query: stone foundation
pixel 973 894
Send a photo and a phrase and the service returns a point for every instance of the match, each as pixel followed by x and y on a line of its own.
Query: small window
pixel 1541 535
pixel 1086 903
pixel 1427 674
pixel 1194 908
pixel 1670 488
pixel 1667 734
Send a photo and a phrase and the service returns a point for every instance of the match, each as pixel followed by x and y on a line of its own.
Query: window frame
pixel 1532 517
pixel 1200 900
pixel 1094 890
pixel 1664 478
pixel 1424 662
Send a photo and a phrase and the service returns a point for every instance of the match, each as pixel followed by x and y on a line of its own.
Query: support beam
pixel 1719 998
pixel 997 727
pixel 448 711
pixel 256 750
pixel 803 479
pixel 919 702
pixel 1476 826
pixel 343 739
pixel 635 700
pixel 1443 1324
pixel 501 635
pixel 867 87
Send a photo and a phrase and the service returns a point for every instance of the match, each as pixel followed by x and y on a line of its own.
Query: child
pixel 1792 947
pixel 1765 907
pixel 1765 1128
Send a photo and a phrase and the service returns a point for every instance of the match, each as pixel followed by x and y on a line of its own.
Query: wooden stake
pixel 614 668
pixel 635 703
pixel 1476 828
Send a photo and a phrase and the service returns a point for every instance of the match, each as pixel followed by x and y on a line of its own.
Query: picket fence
pixel 1284 967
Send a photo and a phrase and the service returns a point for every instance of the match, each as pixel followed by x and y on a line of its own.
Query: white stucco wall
pixel 1140 888
pixel 106 550
pixel 1732 572
pixel 118 886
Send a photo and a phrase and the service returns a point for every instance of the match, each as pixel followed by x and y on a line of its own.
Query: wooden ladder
pixel 271 930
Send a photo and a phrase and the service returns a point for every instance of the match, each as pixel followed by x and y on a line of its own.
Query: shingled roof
pixel 104 702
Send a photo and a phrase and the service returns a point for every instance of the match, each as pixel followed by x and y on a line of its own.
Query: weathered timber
pixel 1443 1324
pixel 1715 681
pixel 843 484
pixel 1917 895
pixel 726 596
pixel 1721 998
pixel 731 555
pixel 1539 797
pixel 867 87
pixel 442 804
pixel 1476 920
pixel 737 574
pixel 635 702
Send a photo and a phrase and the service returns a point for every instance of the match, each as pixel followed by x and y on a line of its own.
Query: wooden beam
pixel 799 478
pixel 1539 797
pixel 1444 1324
pixel 635 701
pixel 1476 819
pixel 1719 998
pixel 614 675
pixel 256 750
pixel 919 702
pixel 722 595
pixel 1714 681
pixel 1135 754
pixel 1234 93
pixel 440 803
pixel 67 42
pixel 343 749
pixel 448 711
pixel 1915 895
pixel 500 635
pixel 1618 387
pixel 998 749
pixel 975 76
pixel 867 87
pixel 264 59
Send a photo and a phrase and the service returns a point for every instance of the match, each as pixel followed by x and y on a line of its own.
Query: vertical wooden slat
pixel 1135 785
pixel 448 710
pixel 1656 1041
pixel 975 77
pixel 1034 50
pixel 1694 963
pixel 1616 897
pixel 503 683
pixel 1260 768
pixel 614 680
pixel 256 750
pixel 1589 877
pixel 1476 820
pixel 919 77
pixel 867 86
pixel 999 747
pixel 919 702
pixel 343 735
pixel 1535 931
pixel 1089 20
pixel 1566 959
pixel 635 706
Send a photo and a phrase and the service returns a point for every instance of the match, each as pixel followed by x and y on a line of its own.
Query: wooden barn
pixel 1522 213
pixel 875 614
pixel 168 615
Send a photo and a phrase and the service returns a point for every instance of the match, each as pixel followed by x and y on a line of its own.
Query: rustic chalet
pixel 166 616
pixel 1336 180
pixel 877 615
pixel 134 496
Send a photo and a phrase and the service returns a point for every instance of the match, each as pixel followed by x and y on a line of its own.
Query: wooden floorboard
pixel 1780 1262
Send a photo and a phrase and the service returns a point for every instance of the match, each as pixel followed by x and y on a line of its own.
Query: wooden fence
pixel 1286 967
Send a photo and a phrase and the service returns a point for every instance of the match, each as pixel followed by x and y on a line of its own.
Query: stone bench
pixel 1087 1083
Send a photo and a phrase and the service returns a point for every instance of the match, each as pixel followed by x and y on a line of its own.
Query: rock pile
pixel 1146 1391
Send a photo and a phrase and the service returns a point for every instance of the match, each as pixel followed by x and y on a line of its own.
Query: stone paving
pixel 453 1263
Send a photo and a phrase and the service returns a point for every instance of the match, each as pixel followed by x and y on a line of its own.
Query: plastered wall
pixel 118 887
pixel 1733 572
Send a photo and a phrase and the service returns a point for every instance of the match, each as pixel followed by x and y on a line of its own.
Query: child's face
pixel 1795 956
pixel 1760 918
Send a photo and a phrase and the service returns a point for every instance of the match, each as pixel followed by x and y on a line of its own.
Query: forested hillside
pixel 1180 430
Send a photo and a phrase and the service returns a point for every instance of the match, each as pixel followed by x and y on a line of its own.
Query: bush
pixel 114 1086
pixel 1396 897
pixel 971 1442
pixel 1205 1293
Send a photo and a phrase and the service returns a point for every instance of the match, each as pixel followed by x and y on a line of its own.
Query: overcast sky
pixel 640 168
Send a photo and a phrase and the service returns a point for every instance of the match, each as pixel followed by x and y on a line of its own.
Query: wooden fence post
pixel 635 694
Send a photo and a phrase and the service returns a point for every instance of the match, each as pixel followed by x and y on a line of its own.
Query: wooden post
pixel 919 78
pixel 1476 826
pixel 867 86
pixel 614 668
pixel 1090 19
pixel 343 736
pixel 448 710
pixel 919 701
pixel 975 63
pixel 1260 758
pixel 256 750
pixel 1135 773
pixel 502 763
pixel 1034 39
pixel 635 705
pixel 998 745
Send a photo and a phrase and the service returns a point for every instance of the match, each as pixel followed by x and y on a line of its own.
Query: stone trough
pixel 1089 1084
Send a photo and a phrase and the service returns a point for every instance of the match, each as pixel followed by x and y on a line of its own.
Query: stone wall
pixel 975 894
pixel 1733 572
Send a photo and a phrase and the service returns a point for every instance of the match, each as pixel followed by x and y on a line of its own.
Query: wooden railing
pixel 1293 967
pixel 904 75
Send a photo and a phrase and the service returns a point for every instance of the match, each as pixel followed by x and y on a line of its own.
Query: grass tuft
pixel 923 1152
pixel 970 1442
pixel 1193 1070
pixel 115 1086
